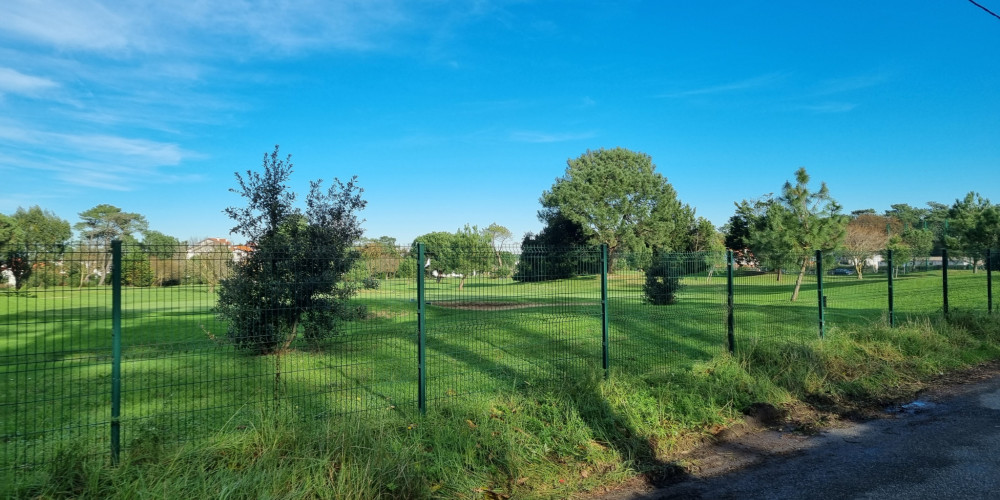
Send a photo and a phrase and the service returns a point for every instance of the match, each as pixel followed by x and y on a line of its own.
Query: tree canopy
pixel 31 236
pixel 464 252
pixel 974 227
pixel 102 224
pixel 293 280
pixel 812 221
pixel 616 197
pixel 866 236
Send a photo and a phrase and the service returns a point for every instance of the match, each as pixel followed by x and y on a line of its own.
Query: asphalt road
pixel 945 445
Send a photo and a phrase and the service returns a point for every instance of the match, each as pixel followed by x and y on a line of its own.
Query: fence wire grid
pixel 403 329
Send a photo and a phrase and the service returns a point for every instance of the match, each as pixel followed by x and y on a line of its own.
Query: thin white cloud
pixel 122 27
pixel 92 160
pixel 755 83
pixel 82 24
pixel 849 84
pixel 15 82
pixel 830 107
pixel 547 137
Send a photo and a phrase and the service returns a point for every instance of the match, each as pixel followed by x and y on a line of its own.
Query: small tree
pixel 293 280
pixel 464 252
pixel 901 253
pixel 497 235
pixel 663 278
pixel 866 236
pixel 811 220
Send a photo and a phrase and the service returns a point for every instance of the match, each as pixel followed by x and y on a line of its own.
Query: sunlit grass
pixel 188 396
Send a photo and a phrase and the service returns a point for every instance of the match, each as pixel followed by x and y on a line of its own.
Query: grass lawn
pixel 182 382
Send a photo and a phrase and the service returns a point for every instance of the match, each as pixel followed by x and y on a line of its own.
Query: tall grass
pixel 546 440
pixel 518 403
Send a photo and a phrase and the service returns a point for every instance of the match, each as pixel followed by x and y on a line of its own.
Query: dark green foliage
pixel 616 197
pixel 663 278
pixel 370 283
pixel 466 252
pixel 559 251
pixel 30 240
pixel 160 245
pixel 136 270
pixel 293 281
pixel 408 268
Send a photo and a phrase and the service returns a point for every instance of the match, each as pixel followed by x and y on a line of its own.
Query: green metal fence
pixel 101 349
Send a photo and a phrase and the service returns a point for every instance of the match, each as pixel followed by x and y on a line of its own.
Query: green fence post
pixel 116 349
pixel 421 334
pixel 989 281
pixel 819 289
pixel 944 279
pixel 730 296
pixel 605 354
pixel 892 314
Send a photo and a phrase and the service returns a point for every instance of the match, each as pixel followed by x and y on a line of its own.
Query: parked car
pixel 842 271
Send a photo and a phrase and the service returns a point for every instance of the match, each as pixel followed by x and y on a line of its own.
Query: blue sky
pixel 464 112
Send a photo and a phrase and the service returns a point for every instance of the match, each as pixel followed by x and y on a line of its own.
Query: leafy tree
pixel 901 252
pixel 157 244
pixel 559 251
pixel 464 252
pixel 497 235
pixel 104 223
pixel 616 197
pixel 909 217
pixel 37 237
pixel 380 257
pixel 866 235
pixel 137 269
pixel 294 277
pixel 769 243
pixel 8 232
pixel 972 228
pixel 809 220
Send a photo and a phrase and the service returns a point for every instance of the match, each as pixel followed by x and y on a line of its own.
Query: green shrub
pixel 663 278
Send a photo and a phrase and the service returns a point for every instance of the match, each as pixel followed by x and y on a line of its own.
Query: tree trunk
pixel 798 281
pixel 84 273
pixel 461 282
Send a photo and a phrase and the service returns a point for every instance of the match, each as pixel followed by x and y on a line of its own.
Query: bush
pixel 407 268
pixel 137 271
pixel 370 283
pixel 663 278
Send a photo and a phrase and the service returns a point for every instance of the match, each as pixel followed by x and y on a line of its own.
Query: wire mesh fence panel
pixel 218 346
pixel 856 289
pixel 55 347
pixel 769 305
pixel 918 288
pixel 369 363
pixel 666 311
pixel 967 287
pixel 486 332
pixel 992 267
